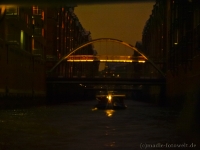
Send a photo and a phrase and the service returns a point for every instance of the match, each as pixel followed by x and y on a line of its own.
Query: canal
pixel 77 125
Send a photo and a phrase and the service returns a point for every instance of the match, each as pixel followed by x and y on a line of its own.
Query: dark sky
pixel 123 21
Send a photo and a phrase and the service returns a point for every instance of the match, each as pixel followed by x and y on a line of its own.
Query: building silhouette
pixel 171 37
pixel 32 40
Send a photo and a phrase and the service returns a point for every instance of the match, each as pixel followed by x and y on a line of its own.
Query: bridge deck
pixel 127 81
pixel 105 58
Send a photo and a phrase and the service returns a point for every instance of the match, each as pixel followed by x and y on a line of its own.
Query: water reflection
pixel 112 144
pixel 61 126
pixel 109 112
pixel 93 109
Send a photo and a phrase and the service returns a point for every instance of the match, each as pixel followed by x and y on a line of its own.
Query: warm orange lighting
pixel 116 60
pixel 109 112
pixel 141 61
pixel 33 43
pixel 79 60
pixel 85 60
pixel 109 97
pixel 104 58
pixel 42 15
pixel 43 32
pixel 63 25
pixel 2 9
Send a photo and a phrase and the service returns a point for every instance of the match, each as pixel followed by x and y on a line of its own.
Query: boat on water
pixel 110 100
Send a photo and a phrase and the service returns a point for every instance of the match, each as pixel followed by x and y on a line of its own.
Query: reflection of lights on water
pixel 109 112
pixel 93 109
pixel 112 144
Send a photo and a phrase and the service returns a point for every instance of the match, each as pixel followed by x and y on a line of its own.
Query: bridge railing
pixel 105 58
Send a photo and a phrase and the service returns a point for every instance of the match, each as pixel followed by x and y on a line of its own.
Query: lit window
pixel 43 32
pixel 62 24
pixel 42 15
pixel 33 43
pixel 22 39
pixel 36 10
pixel 33 21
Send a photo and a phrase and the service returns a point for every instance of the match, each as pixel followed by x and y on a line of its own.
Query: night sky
pixel 123 21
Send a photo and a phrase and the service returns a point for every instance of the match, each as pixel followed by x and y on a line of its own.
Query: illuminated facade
pixel 172 36
pixel 64 34
pixel 32 39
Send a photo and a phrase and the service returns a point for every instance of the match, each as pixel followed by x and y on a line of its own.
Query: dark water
pixel 77 126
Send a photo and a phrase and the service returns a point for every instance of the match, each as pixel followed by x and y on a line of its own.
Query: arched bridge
pixel 77 73
pixel 73 57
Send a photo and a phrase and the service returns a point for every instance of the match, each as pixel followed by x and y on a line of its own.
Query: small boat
pixel 110 100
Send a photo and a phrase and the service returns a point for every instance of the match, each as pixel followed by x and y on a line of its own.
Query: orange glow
pixel 109 112
pixel 121 17
pixel 43 32
pixel 35 9
pixel 63 25
pixel 109 98
pixel 33 21
pixel 3 8
pixel 42 15
pixel 105 58
pixel 33 43
pixel 86 60
pixel 141 61
pixel 79 60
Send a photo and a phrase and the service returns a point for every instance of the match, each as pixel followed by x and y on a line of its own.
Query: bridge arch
pixel 108 40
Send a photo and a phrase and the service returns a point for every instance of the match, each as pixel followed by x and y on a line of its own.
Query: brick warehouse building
pixel 68 34
pixel 172 35
pixel 22 70
pixel 31 40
